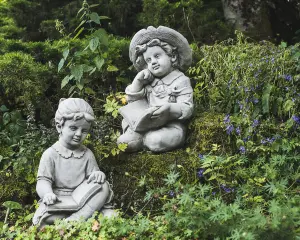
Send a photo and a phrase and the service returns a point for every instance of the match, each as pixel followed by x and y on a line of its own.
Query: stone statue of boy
pixel 159 54
pixel 69 180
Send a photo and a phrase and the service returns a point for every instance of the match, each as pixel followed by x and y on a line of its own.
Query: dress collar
pixel 169 78
pixel 67 153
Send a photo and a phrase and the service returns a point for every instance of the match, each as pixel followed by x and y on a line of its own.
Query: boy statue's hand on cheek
pixel 97 177
pixel 143 78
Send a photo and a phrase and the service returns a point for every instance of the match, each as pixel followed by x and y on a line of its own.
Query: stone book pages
pixel 78 198
pixel 138 115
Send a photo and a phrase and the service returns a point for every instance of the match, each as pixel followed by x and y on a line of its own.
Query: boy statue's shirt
pixel 173 88
pixel 64 168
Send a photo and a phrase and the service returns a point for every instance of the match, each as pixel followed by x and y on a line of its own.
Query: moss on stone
pixel 127 171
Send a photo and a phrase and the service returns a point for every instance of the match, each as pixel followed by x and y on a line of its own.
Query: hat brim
pixel 164 34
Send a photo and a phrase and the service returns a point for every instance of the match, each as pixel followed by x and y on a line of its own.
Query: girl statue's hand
pixel 97 177
pixel 49 198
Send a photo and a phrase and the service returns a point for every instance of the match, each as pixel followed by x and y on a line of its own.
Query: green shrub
pixel 21 79
pixel 255 85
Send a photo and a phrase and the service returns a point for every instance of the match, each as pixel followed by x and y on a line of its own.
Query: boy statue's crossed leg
pixel 159 140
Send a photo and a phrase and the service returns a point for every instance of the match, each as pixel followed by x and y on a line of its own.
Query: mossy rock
pixel 205 130
pixel 133 174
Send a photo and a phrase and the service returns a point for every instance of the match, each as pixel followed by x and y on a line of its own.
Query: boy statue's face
pixel 74 132
pixel 158 62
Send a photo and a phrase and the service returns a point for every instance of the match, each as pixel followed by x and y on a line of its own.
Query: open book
pixel 138 115
pixel 78 198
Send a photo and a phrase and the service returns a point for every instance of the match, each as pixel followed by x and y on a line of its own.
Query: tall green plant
pixel 84 62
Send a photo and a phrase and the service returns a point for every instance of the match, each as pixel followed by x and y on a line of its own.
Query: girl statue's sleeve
pixel 46 167
pixel 92 165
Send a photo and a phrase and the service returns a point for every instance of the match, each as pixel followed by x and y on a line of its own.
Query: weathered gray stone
pixel 70 183
pixel 160 98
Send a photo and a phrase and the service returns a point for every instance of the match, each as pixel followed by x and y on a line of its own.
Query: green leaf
pixel 95 17
pixel 65 81
pixel 102 35
pixel 12 205
pixel 3 108
pixel 61 64
pixel 77 72
pixel 79 32
pixel 112 68
pixel 94 42
pixel 283 44
pixel 266 98
pixel 99 62
pixel 80 86
pixel 6 118
pixel 80 10
pixel 82 22
pixel 104 17
pixel 115 113
pixel 91 72
pixel 288 105
pixel 122 146
pixel 94 5
pixel 28 217
pixel 71 90
pixel 89 91
pixel 87 68
pixel 66 53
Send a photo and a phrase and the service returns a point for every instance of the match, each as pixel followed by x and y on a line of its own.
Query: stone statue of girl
pixel 68 167
pixel 160 55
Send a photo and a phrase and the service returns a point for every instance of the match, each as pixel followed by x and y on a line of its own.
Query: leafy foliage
pixel 236 178
pixel 255 85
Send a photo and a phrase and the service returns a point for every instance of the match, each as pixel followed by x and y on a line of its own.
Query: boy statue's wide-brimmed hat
pixel 164 34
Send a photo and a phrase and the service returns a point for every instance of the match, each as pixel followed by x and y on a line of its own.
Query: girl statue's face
pixel 158 62
pixel 74 132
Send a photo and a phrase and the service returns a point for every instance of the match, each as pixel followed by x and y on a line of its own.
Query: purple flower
pixel 246 139
pixel 172 194
pixel 255 100
pixel 227 119
pixel 296 119
pixel 255 123
pixel 288 77
pixel 213 193
pixel 238 131
pixel 200 172
pixel 227 189
pixel 250 65
pixel 242 150
pixel 268 140
pixel 201 156
pixel 241 105
pixel 229 129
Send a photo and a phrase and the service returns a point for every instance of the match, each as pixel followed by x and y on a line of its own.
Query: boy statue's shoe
pixel 133 139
